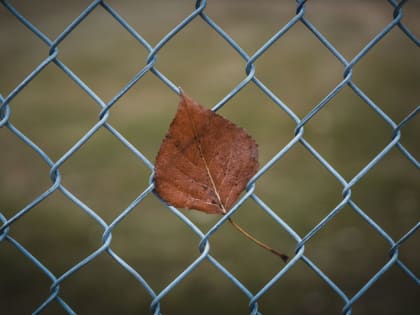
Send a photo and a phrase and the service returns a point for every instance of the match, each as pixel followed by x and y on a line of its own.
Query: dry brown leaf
pixel 205 161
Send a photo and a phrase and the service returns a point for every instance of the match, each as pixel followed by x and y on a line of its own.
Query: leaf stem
pixel 284 257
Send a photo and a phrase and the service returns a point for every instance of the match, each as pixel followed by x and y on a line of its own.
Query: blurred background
pixel 55 113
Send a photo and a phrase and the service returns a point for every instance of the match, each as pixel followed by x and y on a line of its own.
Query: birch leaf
pixel 205 161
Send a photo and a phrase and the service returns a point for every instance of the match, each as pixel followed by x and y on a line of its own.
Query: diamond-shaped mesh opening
pixel 395 71
pixel 281 188
pixel 89 52
pixel 107 193
pixel 59 247
pixel 51 101
pixel 212 292
pixel 297 46
pixel 209 50
pixel 337 143
pixel 314 297
pixel 327 89
pixel 393 177
pixel 163 245
pixel 345 238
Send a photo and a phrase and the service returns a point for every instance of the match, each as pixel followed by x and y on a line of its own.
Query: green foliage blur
pixel 55 113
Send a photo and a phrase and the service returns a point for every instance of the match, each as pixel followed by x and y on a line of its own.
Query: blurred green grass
pixel 54 112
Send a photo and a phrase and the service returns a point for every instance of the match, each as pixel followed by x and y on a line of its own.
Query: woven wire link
pixel 199 12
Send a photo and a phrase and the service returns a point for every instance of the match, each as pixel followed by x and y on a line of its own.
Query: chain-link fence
pixel 17 218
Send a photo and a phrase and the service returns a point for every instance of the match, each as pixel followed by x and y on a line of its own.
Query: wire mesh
pixel 58 280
